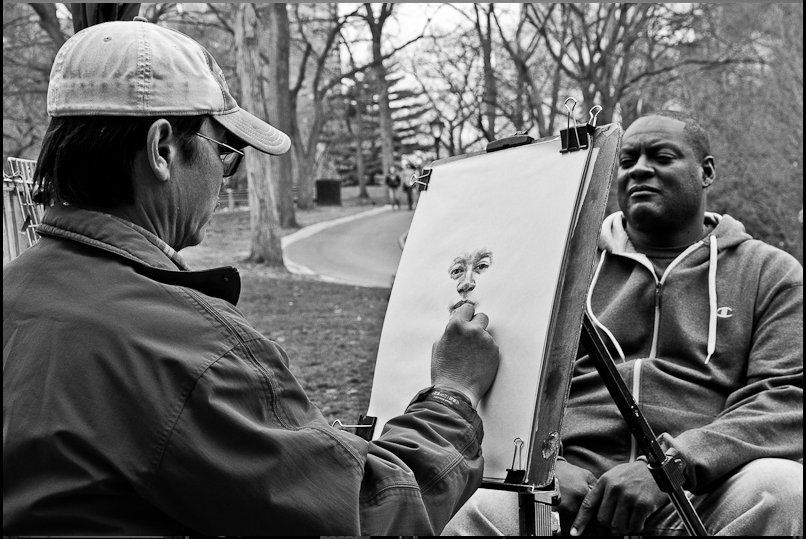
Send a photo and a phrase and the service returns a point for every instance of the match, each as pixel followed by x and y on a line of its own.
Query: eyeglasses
pixel 231 158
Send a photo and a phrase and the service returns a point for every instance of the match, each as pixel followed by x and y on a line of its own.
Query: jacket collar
pixel 140 248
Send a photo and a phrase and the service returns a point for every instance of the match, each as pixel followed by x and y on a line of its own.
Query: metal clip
pixel 575 137
pixel 516 475
pixel 339 425
pixel 421 180
pixel 593 115
pixel 364 430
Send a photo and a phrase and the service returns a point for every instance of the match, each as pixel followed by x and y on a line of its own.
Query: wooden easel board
pixel 516 209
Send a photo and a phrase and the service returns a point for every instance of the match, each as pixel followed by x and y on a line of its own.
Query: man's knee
pixel 488 512
pixel 763 497
pixel 780 479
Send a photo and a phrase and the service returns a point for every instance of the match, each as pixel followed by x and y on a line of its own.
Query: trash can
pixel 328 192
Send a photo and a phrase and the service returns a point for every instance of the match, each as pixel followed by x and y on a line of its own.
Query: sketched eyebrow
pixel 458 260
pixel 483 253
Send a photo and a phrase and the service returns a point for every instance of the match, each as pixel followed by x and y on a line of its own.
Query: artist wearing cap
pixel 706 327
pixel 136 398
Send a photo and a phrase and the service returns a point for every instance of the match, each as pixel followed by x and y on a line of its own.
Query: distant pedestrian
pixel 392 186
pixel 408 185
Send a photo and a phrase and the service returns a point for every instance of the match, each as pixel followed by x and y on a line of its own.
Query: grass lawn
pixel 330 331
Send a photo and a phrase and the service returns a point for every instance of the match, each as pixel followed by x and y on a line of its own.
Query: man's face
pixel 200 180
pixel 660 179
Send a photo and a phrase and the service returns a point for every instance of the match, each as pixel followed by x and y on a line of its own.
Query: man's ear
pixel 160 149
pixel 708 171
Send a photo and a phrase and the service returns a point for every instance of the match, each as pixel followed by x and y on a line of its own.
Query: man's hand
pixel 621 499
pixel 575 483
pixel 466 357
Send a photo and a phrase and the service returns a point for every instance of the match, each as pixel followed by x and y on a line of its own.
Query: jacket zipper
pixel 653 350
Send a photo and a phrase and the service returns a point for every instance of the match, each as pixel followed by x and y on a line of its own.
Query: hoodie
pixel 712 351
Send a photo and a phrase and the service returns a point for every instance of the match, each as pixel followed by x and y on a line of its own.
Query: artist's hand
pixel 466 357
pixel 622 499
pixel 575 483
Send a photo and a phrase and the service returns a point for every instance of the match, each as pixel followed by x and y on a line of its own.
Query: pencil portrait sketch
pixel 465 269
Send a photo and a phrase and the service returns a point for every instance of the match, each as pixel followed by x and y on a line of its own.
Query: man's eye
pixel 626 162
pixel 481 266
pixel 456 272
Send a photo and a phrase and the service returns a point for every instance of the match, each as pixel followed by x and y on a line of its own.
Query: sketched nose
pixel 466 287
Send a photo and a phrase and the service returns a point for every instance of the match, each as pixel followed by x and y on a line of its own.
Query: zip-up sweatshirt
pixel 712 351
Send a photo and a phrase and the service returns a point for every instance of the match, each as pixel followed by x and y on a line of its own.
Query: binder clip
pixel 421 180
pixel 516 475
pixel 576 137
pixel 364 429
pixel 518 139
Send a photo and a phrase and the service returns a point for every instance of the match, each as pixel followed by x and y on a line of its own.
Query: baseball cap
pixel 137 68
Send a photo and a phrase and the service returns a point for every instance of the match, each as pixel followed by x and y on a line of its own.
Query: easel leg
pixel 535 516
pixel 664 470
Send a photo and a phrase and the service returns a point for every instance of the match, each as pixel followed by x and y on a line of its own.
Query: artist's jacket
pixel 712 351
pixel 136 400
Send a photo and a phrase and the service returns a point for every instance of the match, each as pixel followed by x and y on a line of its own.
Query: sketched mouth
pixel 460 303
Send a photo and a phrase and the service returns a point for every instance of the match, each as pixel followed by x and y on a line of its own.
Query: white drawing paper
pixel 501 220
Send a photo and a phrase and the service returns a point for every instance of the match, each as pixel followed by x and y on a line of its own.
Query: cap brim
pixel 254 131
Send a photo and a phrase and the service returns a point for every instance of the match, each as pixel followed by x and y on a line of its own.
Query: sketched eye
pixel 456 272
pixel 482 265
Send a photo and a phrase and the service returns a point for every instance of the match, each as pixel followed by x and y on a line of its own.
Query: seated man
pixel 137 399
pixel 706 325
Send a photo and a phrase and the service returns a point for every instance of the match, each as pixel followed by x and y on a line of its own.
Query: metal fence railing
pixel 21 215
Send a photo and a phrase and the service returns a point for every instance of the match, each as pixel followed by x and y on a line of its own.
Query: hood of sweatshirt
pixel 726 232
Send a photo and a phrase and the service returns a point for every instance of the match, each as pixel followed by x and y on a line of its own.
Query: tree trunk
pixel 306 167
pixel 490 95
pixel 265 244
pixel 384 109
pixel 278 105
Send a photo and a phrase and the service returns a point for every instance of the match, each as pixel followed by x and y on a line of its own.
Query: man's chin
pixel 645 212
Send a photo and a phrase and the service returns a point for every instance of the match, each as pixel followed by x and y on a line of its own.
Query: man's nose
pixel 641 169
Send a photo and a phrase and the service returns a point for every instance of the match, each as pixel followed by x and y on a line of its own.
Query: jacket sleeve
pixel 764 418
pixel 248 454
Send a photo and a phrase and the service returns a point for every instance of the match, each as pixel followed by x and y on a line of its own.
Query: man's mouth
pixel 642 189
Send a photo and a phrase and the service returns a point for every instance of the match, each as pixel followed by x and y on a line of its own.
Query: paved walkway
pixel 361 250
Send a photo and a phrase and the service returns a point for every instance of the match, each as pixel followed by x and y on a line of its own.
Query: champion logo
pixel 724 312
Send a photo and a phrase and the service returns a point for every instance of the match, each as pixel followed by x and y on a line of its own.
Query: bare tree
pixel 265 245
pixel 489 102
pixel 376 24
pixel 319 37
pixel 50 23
pixel 32 35
pixel 278 101
pixel 538 82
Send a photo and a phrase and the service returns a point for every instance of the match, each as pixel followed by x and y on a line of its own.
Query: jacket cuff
pixel 455 400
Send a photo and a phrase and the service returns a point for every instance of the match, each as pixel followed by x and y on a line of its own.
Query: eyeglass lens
pixel 231 161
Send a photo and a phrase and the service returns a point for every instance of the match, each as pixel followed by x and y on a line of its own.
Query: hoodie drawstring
pixel 712 300
pixel 589 308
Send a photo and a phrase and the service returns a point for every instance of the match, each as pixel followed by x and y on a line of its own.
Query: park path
pixel 363 250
